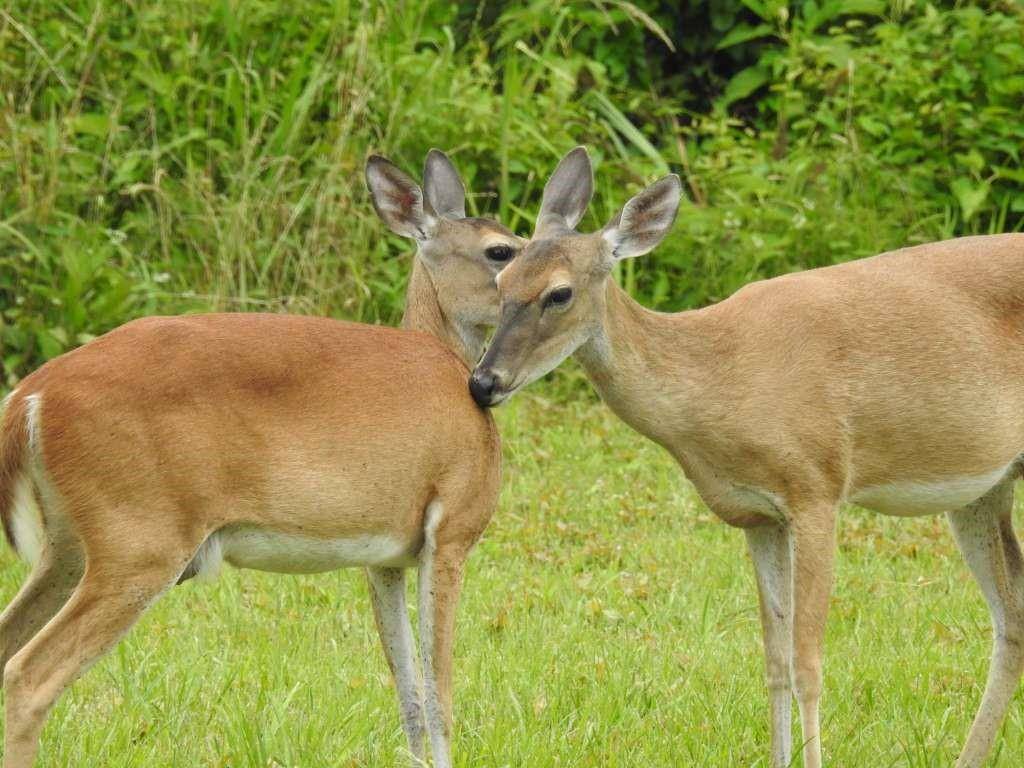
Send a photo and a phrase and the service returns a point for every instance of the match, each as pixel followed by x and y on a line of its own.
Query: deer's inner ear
pixel 645 220
pixel 398 200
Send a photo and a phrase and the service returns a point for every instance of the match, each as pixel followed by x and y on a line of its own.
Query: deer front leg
pixel 813 531
pixel 769 547
pixel 439 595
pixel 440 582
pixel 387 592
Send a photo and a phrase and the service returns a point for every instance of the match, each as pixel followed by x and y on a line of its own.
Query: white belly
pixel 264 550
pixel 928 498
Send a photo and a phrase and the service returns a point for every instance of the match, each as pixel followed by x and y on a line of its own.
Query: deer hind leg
pixel 984 533
pixel 387 592
pixel 44 538
pixel 47 588
pixel 440 581
pixel 110 598
pixel 769 547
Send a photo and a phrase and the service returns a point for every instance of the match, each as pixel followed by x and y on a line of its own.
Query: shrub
pixel 935 97
pixel 189 156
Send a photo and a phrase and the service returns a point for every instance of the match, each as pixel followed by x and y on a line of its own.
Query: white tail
pixel 295 444
pixel 896 382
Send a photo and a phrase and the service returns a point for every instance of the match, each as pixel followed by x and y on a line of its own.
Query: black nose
pixel 482 386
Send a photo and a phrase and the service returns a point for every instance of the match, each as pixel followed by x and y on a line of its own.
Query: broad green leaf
pixel 862 7
pixel 743 84
pixel 758 7
pixel 972 160
pixel 970 195
pixel 126 168
pixel 872 126
pixel 49 345
pixel 1011 85
pixel 157 81
pixel 1014 174
pixel 743 33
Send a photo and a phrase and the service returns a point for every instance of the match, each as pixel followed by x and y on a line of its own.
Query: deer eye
pixel 499 253
pixel 559 297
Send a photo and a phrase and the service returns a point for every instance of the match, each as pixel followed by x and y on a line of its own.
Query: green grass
pixel 608 620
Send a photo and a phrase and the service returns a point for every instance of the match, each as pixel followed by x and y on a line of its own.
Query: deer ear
pixel 445 192
pixel 644 221
pixel 398 200
pixel 567 194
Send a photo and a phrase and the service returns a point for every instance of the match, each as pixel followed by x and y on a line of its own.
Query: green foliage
pixel 936 97
pixel 59 298
pixel 221 147
pixel 863 131
pixel 186 156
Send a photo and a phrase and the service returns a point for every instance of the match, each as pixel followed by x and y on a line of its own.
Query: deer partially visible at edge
pixel 282 443
pixel 895 382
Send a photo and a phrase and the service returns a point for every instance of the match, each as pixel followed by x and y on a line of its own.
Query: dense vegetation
pixel 178 156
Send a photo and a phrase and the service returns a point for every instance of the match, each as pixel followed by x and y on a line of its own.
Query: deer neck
pixel 423 312
pixel 651 368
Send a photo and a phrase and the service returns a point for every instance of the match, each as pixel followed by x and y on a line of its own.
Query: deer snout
pixel 484 385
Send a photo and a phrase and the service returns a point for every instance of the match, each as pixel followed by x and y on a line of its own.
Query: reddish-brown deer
pixel 282 443
pixel 896 382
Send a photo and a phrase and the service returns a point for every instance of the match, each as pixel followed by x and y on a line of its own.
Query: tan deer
pixel 896 382
pixel 282 443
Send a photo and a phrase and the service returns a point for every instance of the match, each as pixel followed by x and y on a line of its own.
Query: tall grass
pixel 187 155
pixel 193 155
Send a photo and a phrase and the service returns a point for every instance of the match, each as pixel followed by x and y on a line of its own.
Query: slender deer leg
pixel 770 551
pixel 47 588
pixel 984 533
pixel 440 581
pixel 439 596
pixel 106 603
pixel 387 591
pixel 814 541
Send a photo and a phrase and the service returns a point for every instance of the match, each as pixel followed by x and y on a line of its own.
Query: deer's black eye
pixel 559 297
pixel 499 253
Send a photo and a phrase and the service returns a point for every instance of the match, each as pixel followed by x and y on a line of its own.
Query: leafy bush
pixel 866 134
pixel 936 96
pixel 222 147
pixel 58 298
pixel 190 156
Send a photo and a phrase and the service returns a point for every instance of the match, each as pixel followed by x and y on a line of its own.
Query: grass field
pixel 608 620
